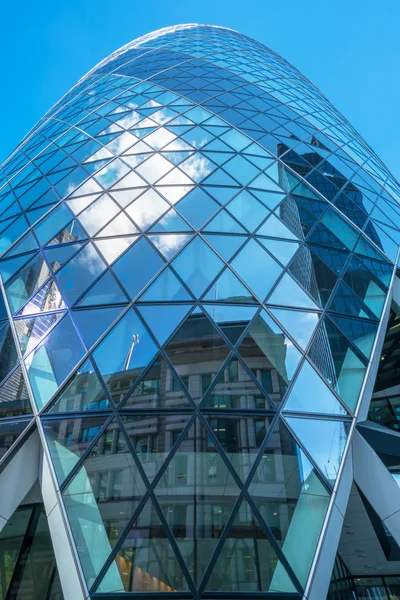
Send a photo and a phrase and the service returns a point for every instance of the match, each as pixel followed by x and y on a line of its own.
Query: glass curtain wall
pixel 196 249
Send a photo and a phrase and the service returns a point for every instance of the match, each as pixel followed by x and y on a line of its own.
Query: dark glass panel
pixel 153 437
pixel 197 349
pixel 197 493
pixel 160 387
pixel 247 561
pixel 14 397
pixel 270 355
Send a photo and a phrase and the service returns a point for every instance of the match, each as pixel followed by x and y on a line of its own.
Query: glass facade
pixel 196 252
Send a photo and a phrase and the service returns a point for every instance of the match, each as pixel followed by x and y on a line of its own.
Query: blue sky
pixel 350 49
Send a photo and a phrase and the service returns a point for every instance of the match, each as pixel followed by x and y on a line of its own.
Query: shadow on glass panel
pixel 27 563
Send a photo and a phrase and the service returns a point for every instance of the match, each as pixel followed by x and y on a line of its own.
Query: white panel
pixel 18 477
pixel 67 569
pixel 346 481
pixel 374 480
pixel 47 486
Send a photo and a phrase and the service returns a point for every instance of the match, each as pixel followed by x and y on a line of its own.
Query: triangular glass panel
pixel 324 440
pixel 247 210
pixel 58 256
pixel 125 352
pixel 146 209
pixel 82 270
pixel 146 561
pixel 93 323
pixel 159 387
pixel 173 193
pixel 166 287
pixel 169 243
pixel 79 203
pixel 53 360
pixel 170 223
pixel 282 251
pixel 234 388
pixel 10 431
pixel 316 278
pixel 53 223
pixel 288 293
pixel 365 248
pixel 334 259
pixel 270 355
pixel 46 299
pixel 366 286
pixel 233 320
pixel 26 244
pixel 162 319
pixel 32 330
pixel 360 332
pixel 9 267
pixel 228 288
pixel 137 266
pixel 14 397
pixel 248 548
pixel 241 438
pixel 273 227
pixel 344 370
pixel 197 207
pixel 121 225
pixel 225 245
pixel 112 248
pixel 26 282
pixel 197 265
pixel 310 394
pixel 105 291
pixel 197 351
pixel 257 268
pixel 125 197
pixel 300 325
pixel 197 493
pixel 224 223
pixel 107 488
pixel 346 302
pixel 83 392
pixel 72 232
pixel 291 499
pixel 8 350
pixel 68 440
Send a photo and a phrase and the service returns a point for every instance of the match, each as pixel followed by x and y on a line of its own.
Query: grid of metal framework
pixel 196 250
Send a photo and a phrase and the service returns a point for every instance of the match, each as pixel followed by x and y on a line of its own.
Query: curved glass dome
pixel 196 250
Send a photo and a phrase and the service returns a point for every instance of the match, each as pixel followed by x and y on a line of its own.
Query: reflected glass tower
pixel 197 267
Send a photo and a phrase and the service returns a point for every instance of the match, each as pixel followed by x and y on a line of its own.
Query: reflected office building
pixel 199 337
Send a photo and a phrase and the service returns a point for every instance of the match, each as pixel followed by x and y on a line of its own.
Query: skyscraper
pixel 197 269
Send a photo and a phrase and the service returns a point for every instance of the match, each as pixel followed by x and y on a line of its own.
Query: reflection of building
pixel 195 308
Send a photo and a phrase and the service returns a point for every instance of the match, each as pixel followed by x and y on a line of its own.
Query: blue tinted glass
pixel 137 267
